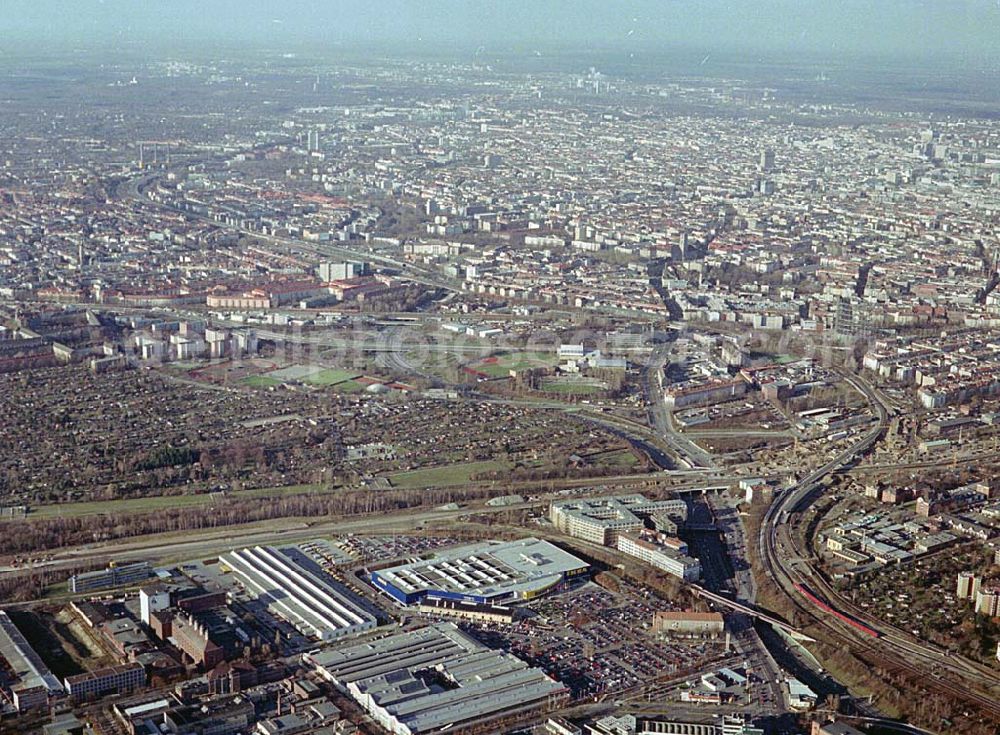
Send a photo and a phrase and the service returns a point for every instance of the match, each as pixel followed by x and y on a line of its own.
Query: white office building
pixel 669 558
pixel 602 520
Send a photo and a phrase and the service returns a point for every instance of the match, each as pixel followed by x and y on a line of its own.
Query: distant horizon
pixel 554 56
pixel 963 32
pixel 941 86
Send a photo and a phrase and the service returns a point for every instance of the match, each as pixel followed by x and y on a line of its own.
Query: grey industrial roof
pixel 23 659
pixel 612 510
pixel 387 674
pixel 404 650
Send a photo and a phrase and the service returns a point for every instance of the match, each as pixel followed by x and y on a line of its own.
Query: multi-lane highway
pixel 662 419
pixel 195 543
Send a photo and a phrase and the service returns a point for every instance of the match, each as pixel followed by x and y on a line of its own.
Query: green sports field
pixel 331 376
pixel 570 387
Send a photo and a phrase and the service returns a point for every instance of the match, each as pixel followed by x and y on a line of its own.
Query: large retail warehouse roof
pixel 491 571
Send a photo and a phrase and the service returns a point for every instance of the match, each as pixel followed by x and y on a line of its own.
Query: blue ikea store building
pixel 483 573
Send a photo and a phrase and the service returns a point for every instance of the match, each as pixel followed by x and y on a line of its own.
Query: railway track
pixel 885 652
pixel 868 639
pixel 899 637
pixel 891 652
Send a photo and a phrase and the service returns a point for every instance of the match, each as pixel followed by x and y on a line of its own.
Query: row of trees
pixel 898 691
pixel 33 582
pixel 54 533
pixel 561 470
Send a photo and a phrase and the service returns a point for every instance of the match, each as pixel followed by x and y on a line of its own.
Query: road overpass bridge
pixel 753 612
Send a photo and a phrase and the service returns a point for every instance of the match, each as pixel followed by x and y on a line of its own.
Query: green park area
pixel 158 502
pixel 309 375
pixel 350 386
pixel 454 474
pixel 446 475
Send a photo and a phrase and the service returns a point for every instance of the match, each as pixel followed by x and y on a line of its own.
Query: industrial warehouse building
pixel 700 394
pixel 30 679
pixel 468 610
pixel 602 520
pixel 482 573
pixel 111 680
pixel 437 677
pixel 311 603
pixel 632 725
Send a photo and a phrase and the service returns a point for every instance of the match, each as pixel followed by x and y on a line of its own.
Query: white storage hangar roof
pixel 310 603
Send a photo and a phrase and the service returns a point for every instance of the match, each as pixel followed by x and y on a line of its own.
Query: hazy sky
pixel 829 28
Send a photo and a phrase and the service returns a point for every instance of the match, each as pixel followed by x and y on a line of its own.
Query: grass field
pixel 622 459
pixel 296 372
pixel 570 387
pixel 260 381
pixel 455 474
pixel 349 386
pixel 331 376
